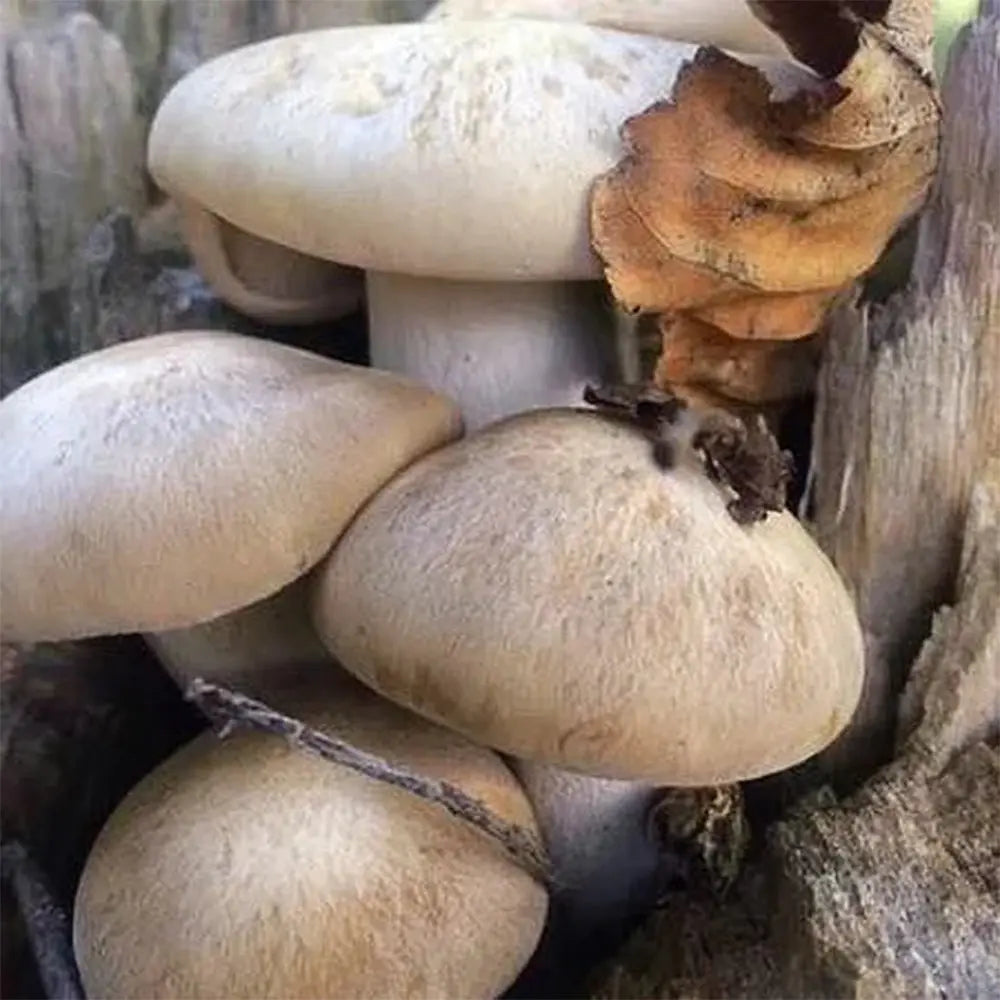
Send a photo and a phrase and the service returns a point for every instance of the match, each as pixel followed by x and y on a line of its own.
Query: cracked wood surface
pixel 907 410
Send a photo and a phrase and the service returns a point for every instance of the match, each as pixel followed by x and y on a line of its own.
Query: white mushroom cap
pixel 582 607
pixel 728 24
pixel 253 649
pixel 265 280
pixel 244 868
pixel 461 150
pixel 169 480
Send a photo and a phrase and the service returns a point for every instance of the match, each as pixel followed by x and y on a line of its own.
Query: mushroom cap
pixel 166 481
pixel 729 24
pixel 462 150
pixel 252 649
pixel 246 868
pixel 544 587
pixel 265 280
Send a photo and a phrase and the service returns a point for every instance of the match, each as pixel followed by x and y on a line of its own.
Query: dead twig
pixel 228 709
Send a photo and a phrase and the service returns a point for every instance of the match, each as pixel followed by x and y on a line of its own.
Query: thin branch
pixel 229 709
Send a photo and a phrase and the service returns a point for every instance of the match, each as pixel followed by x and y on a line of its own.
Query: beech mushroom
pixel 167 481
pixel 452 161
pixel 583 607
pixel 246 868
pixel 265 280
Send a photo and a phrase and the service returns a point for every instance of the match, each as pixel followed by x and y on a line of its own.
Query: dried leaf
pixel 742 213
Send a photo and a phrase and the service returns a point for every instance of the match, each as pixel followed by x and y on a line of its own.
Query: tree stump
pixel 70 150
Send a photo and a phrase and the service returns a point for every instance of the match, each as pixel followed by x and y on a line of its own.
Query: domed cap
pixel 580 606
pixel 169 480
pixel 462 150
pixel 245 868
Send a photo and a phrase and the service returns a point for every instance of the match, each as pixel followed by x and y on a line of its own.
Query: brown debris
pixel 741 455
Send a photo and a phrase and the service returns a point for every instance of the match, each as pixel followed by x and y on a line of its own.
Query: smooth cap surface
pixel 580 606
pixel 245 868
pixel 461 150
pixel 169 480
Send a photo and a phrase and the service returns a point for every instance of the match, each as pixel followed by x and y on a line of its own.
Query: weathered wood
pixel 70 150
pixel 83 264
pixel 896 893
pixel 907 407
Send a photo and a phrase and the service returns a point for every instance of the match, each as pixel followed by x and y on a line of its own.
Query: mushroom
pixel 246 868
pixel 265 280
pixel 453 162
pixel 583 608
pixel 729 24
pixel 169 480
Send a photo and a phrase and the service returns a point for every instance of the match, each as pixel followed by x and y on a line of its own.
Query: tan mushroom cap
pixel 460 150
pixel 544 587
pixel 169 480
pixel 244 868
pixel 265 280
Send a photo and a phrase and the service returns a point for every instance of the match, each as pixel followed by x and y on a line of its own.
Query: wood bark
pixel 70 150
pixel 86 259
pixel 907 408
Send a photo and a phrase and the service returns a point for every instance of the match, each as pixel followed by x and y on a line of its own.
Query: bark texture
pixel 907 408
pixel 70 150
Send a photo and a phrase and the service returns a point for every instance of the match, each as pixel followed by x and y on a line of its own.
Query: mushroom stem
pixel 496 348
pixel 606 868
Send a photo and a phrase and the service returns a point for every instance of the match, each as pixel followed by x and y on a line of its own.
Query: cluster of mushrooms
pixel 445 560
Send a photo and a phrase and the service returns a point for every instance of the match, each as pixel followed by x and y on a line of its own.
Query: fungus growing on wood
pixel 393 149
